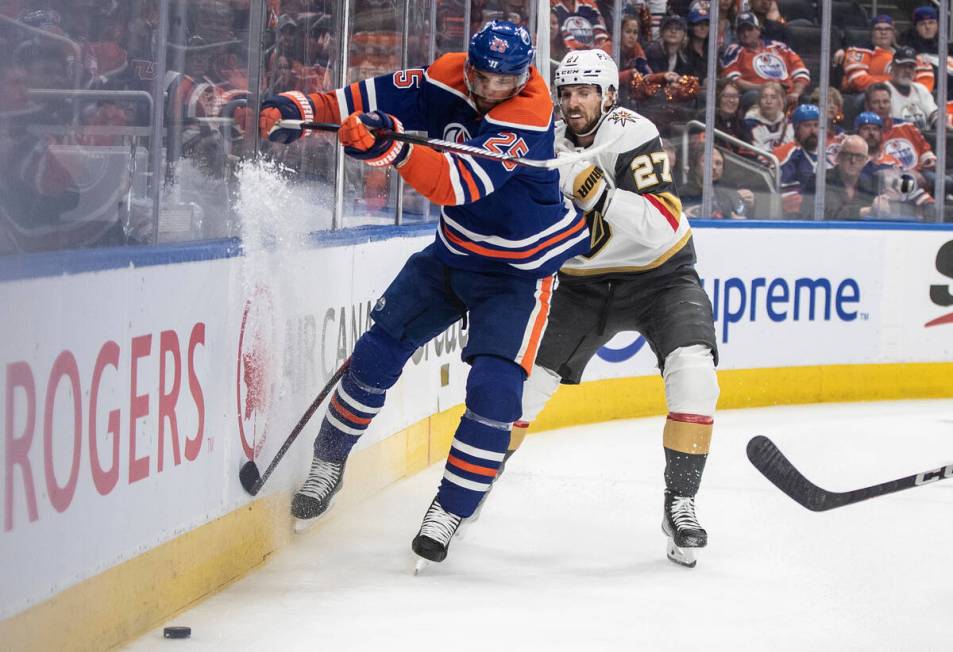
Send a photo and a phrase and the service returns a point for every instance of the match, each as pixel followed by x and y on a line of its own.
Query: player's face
pixel 581 106
pixel 872 134
pixel 490 88
pixel 880 103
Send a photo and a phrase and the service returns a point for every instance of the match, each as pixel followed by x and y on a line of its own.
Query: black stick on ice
pixel 772 463
pixel 252 480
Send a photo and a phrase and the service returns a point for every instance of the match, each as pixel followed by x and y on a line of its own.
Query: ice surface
pixel 569 554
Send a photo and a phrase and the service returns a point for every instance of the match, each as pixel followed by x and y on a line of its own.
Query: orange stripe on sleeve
pixel 468 179
pixel 545 295
pixel 429 174
pixel 355 89
pixel 472 468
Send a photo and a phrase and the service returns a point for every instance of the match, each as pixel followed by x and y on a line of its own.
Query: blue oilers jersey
pixel 495 217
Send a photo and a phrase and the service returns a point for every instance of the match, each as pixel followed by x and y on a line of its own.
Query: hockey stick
pixel 252 480
pixel 457 148
pixel 772 463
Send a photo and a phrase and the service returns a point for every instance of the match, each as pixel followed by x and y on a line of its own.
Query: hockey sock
pixel 686 438
pixel 376 364
pixel 494 389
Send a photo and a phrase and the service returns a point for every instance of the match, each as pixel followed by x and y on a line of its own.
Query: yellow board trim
pixel 142 593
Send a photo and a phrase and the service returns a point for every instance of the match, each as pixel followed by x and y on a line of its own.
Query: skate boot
pixel 316 495
pixel 682 529
pixel 433 539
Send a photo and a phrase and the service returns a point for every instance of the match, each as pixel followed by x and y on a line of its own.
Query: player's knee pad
pixel 537 390
pixel 691 385
pixel 379 358
pixel 495 388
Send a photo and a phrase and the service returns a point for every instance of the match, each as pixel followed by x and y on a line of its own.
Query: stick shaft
pixel 458 148
pixel 303 421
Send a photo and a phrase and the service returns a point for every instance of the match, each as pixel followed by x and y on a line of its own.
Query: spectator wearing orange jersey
pixel 869 126
pixel 753 62
pixel 902 139
pixel 870 63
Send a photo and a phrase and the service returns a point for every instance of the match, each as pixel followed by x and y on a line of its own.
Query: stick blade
pixel 250 477
pixel 771 462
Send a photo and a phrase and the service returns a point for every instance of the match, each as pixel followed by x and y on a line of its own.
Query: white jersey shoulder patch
pixel 626 130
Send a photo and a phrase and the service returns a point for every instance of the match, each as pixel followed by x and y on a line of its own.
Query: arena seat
pixel 797 10
pixel 846 14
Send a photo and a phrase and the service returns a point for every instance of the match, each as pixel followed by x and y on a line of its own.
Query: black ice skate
pixel 433 539
pixel 682 529
pixel 316 495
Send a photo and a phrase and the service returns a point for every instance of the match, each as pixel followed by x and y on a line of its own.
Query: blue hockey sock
pixel 494 392
pixel 376 364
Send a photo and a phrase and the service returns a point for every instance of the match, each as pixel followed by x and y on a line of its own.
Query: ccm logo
pixel 933 476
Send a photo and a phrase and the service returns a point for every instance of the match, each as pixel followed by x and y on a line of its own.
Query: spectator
pixel 902 139
pixel 870 63
pixel 850 194
pixel 668 53
pixel 923 37
pixel 772 24
pixel 835 116
pixel 909 100
pixel 315 76
pixel 728 117
pixel 696 51
pixel 766 122
pixel 581 25
pixel 634 63
pixel 754 62
pixel 798 158
pixel 869 126
pixel 726 202
pixel 727 14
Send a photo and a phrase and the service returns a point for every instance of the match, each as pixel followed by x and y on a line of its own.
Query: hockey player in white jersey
pixel 639 275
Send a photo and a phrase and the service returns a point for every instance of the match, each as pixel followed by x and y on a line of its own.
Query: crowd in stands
pixel 883 100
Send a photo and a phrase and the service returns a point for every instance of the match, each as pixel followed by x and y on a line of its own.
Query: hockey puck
pixel 177 632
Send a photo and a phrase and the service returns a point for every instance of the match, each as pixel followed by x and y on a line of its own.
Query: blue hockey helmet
pixel 805 112
pixel 501 47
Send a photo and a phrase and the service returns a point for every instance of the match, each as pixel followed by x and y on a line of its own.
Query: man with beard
pixel 798 158
pixel 909 99
pixel 639 275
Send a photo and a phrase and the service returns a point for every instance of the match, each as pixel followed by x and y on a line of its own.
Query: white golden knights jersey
pixel 643 226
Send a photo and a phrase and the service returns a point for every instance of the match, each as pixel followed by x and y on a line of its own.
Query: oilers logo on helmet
pixel 498 45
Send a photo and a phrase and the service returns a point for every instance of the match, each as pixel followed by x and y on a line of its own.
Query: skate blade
pixel 421 565
pixel 681 556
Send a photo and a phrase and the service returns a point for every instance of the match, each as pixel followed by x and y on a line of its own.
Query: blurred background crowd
pixel 127 121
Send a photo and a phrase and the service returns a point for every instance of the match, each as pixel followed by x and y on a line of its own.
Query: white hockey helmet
pixel 590 67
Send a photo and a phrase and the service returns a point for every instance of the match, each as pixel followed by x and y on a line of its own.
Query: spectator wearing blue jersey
pixel 504 231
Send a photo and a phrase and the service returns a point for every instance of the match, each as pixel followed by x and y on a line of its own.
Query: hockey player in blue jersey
pixel 503 233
